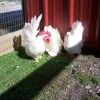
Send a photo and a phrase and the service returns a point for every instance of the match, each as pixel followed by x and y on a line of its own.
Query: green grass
pixel 87 79
pixel 21 78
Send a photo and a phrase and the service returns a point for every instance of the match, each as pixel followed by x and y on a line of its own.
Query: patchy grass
pixel 91 97
pixel 87 79
pixel 21 78
pixel 95 80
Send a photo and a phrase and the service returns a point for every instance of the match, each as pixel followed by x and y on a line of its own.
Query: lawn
pixel 21 78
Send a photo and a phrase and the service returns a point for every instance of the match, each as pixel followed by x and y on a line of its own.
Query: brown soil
pixel 89 64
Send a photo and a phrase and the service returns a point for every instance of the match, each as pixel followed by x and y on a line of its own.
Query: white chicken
pixel 34 46
pixel 55 45
pixel 73 41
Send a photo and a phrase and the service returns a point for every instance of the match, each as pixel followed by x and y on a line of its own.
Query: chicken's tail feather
pixel 35 24
pixel 77 28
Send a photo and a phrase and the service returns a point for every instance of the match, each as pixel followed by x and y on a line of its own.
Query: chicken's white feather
pixel 56 43
pixel 34 46
pixel 28 33
pixel 35 24
pixel 73 41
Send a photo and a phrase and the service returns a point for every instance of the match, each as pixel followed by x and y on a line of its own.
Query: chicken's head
pixel 46 39
pixel 46 36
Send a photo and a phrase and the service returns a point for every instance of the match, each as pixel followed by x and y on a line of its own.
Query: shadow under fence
pixel 88 51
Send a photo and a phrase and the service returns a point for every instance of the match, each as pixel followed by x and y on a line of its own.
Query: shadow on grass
pixel 33 84
pixel 21 53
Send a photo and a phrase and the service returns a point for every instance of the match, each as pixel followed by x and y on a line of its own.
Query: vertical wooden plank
pixel 76 10
pixel 71 13
pixel 29 9
pixel 57 13
pixel 99 31
pixel 46 17
pixel 34 8
pixel 48 12
pixel 41 11
pixel 98 26
pixel 65 17
pixel 93 22
pixel 85 15
pixel 24 12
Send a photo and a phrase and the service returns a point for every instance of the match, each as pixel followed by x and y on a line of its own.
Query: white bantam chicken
pixel 73 41
pixel 34 46
pixel 55 44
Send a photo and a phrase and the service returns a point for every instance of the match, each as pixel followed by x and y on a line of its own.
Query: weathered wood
pixel 11 42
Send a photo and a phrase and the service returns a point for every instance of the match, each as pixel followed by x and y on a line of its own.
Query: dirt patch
pixel 84 76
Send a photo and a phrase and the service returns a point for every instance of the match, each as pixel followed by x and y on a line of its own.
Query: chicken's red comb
pixel 48 33
pixel 41 33
pixel 45 33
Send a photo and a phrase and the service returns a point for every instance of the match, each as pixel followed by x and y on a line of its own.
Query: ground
pixel 57 78
pixel 84 79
